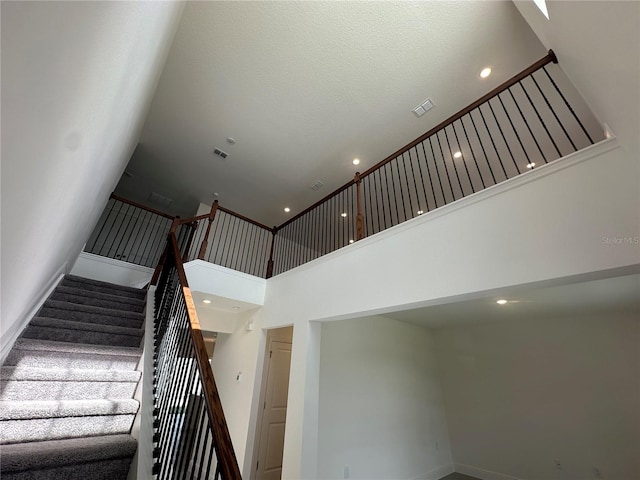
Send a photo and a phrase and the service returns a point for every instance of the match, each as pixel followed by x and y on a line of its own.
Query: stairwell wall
pixel 77 79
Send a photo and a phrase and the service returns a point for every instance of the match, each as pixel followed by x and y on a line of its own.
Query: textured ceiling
pixel 304 87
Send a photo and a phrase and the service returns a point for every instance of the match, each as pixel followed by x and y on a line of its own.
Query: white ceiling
pixel 618 294
pixel 304 87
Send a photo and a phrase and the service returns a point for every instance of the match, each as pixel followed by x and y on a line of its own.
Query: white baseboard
pixel 13 332
pixel 436 473
pixel 482 473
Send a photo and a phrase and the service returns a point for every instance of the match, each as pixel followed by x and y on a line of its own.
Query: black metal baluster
pixel 566 102
pixel 492 142
pixel 426 162
pixel 504 138
pixel 526 154
pixel 463 159
pixel 444 162
pixel 453 161
pixel 544 125
pixel 111 230
pixel 554 113
pixel 484 152
pixel 109 209
pixel 473 153
pixel 204 448
pixel 524 119
pixel 406 178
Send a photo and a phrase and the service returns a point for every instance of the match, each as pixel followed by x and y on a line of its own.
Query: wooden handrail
pixel 219 430
pixel 230 212
pixel 143 207
pixel 246 219
pixel 549 58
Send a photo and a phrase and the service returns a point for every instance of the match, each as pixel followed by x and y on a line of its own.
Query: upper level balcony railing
pixel 532 119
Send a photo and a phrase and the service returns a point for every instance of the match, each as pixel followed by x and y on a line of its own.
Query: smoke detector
pixel 220 153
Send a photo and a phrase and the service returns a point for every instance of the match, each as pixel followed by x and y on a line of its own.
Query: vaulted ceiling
pixel 304 88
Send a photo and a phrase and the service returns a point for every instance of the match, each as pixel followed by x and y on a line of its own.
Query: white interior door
pixel 271 443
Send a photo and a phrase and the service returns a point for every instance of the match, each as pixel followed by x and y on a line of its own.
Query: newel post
pixel 359 216
pixel 205 241
pixel 165 253
pixel 270 262
pixel 193 226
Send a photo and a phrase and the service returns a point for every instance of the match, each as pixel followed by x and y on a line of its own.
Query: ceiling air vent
pixel 317 185
pixel 220 153
pixel 160 199
pixel 423 108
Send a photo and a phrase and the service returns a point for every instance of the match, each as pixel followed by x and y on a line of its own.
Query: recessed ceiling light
pixel 531 165
pixel 501 301
pixel 287 209
pixel 206 301
pixel 457 155
pixel 420 212
pixel 356 161
pixel 485 72
pixel 351 241
pixel 343 214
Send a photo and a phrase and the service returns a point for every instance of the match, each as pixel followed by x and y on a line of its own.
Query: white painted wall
pixel 541 227
pixel 221 281
pixel 597 46
pixel 110 270
pixel 77 79
pixel 237 353
pixel 522 394
pixel 546 224
pixel 381 409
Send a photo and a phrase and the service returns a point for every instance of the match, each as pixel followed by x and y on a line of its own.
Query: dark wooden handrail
pixel 548 58
pixel 220 432
pixel 143 207
pixel 230 212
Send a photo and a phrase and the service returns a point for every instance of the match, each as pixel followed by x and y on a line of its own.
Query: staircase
pixel 67 386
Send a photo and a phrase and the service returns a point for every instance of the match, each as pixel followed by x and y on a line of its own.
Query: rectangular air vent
pixel 317 185
pixel 220 153
pixel 160 199
pixel 423 108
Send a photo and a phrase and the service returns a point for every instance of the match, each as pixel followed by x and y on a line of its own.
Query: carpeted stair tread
pixel 91 327
pixel 39 409
pixel 49 354
pixel 103 287
pixel 32 421
pixel 80 295
pixel 48 345
pixel 80 336
pixel 67 385
pixel 59 453
pixel 29 383
pixel 90 314
pixel 68 374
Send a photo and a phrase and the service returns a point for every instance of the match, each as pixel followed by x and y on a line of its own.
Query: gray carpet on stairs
pixel 67 386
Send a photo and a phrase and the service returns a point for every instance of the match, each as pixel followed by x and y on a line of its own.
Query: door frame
pixel 281 334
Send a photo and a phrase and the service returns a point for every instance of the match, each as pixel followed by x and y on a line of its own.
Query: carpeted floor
pixel 67 386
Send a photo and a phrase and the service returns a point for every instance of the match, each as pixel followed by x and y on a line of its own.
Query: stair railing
pixel 191 437
pixel 530 120
pixel 130 232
